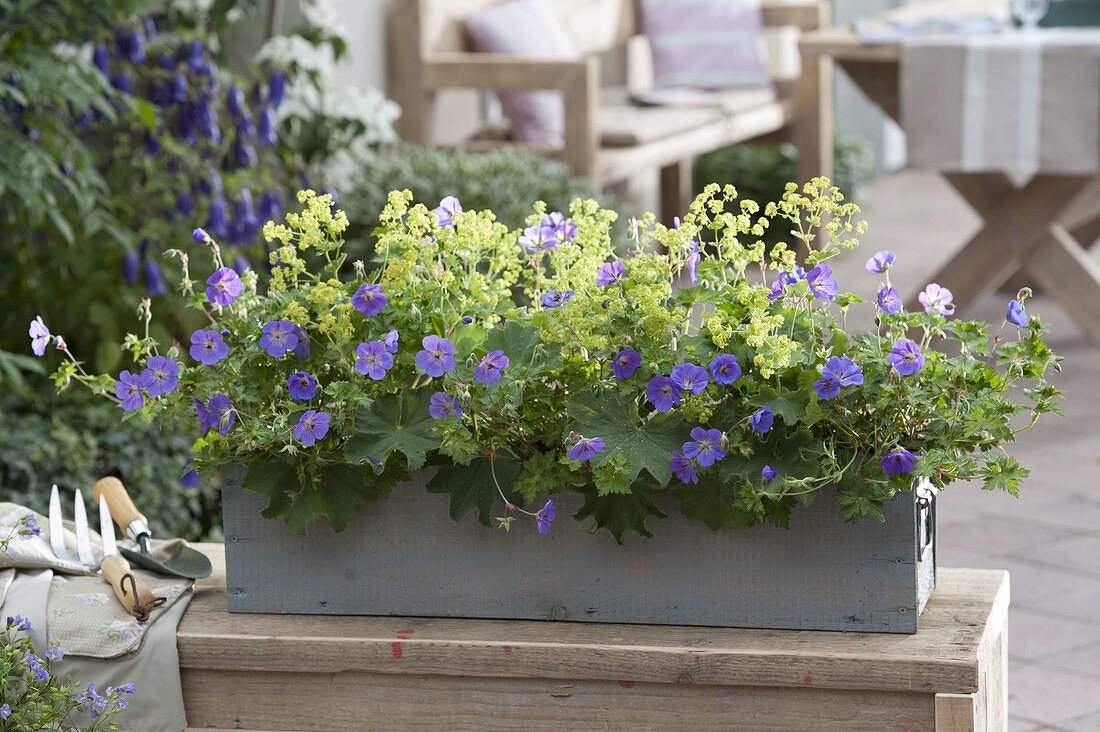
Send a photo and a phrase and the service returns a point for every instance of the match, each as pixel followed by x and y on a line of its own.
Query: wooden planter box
pixel 405 556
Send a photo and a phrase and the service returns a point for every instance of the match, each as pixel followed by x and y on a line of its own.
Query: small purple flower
pixel 369 300
pixel 19 623
pixel 218 221
pixel 692 261
pixel 899 462
pixel 200 236
pixel 822 284
pixel 625 363
pixel 279 337
pixel 586 449
pixel 610 273
pixel 161 375
pixel 683 467
pixel 154 283
pixel 437 358
pixel 445 211
pixel 762 420
pixel 302 350
pixel 545 517
pixel 663 393
pixel 889 301
pixel 555 299
pixel 40 336
pixel 880 262
pixel 839 371
pixel 207 347
pixel 936 299
pixel 563 229
pixel 35 665
pixel 785 280
pixel 128 389
pixel 373 360
pixel 1016 314
pixel 491 368
pixel 276 87
pixel 444 405
pixel 5 711
pixel 55 654
pixel 390 341
pixel 538 238
pixel 218 414
pixel 223 287
pixel 725 368
pixel 312 426
pixel 690 378
pixel 906 357
pixel 768 473
pixel 302 386
pixel 706 447
pixel 130 268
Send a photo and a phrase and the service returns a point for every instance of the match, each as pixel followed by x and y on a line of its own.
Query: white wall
pixel 366 31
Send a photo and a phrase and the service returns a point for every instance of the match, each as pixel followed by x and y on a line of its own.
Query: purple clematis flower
pixel 663 393
pixel 128 389
pixel 445 211
pixel 725 368
pixel 545 517
pixel 690 377
pixel 373 360
pixel 610 273
pixel 444 405
pixel 683 467
pixel 223 287
pixel 705 448
pixel 218 414
pixel 555 299
pixel 491 368
pixel 301 385
pixel 437 358
pixel 369 300
pixel 906 357
pixel 839 371
pixel 625 363
pixel 768 473
pixel 538 238
pixel 880 262
pixel 822 284
pixel 312 426
pixel 586 449
pixel 279 337
pixel 899 462
pixel 40 336
pixel 1016 314
pixel 889 301
pixel 160 376
pixel 207 347
pixel 762 420
pixel 936 299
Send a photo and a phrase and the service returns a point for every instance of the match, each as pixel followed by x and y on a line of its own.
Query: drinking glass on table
pixel 1030 12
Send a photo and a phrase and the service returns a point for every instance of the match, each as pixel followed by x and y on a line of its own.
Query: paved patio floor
pixel 1048 539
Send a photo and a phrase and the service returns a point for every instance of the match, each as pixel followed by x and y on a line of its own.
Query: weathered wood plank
pixel 955 713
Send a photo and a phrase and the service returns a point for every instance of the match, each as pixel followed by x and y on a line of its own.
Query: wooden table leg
pixel 813 121
pixel 1067 271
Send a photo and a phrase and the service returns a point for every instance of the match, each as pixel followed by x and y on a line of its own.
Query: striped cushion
pixel 529 29
pixel 706 44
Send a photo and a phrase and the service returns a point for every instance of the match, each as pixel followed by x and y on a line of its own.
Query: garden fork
pixel 84 557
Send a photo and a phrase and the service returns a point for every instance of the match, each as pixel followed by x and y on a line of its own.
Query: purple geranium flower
pixel 373 360
pixel 705 448
pixel 906 357
pixel 444 405
pixel 491 368
pixel 301 385
pixel 889 301
pixel 899 462
pixel 369 299
pixel 610 273
pixel 783 281
pixel 822 284
pixel 279 337
pixel 128 389
pixel 390 341
pixel 880 262
pixel 725 368
pixel 768 473
pixel 161 375
pixel 538 238
pixel 586 448
pixel 302 349
pixel 545 517
pixel 555 299
pixel 839 371
pixel 683 467
pixel 625 363
pixel 312 426
pixel 692 261
pixel 936 299
pixel 445 211
pixel 223 287
pixel 207 347
pixel 218 414
pixel 690 378
pixel 762 420
pixel 40 336
pixel 437 358
pixel 1016 314
pixel 663 393
pixel 563 229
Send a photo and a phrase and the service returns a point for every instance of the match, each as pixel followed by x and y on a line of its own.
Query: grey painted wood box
pixel 404 556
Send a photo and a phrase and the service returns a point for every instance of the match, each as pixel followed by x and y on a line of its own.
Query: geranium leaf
pixel 473 486
pixel 619 512
pixel 394 423
pixel 790 405
pixel 518 341
pixel 714 502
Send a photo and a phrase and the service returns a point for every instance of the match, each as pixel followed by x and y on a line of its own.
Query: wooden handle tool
pixel 130 589
pixel 130 520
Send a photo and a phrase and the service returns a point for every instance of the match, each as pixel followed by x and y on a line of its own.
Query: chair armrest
pixel 803 14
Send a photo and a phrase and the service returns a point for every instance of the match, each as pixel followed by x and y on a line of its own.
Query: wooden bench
pixel 339 673
pixel 606 138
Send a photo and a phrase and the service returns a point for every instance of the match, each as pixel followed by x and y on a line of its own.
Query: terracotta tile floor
pixel 1049 539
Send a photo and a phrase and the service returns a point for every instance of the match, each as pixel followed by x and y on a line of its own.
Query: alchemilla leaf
pixel 394 423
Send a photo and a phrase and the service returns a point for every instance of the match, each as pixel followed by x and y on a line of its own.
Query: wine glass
pixel 1030 12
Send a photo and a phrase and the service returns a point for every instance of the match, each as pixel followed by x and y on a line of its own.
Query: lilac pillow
pixel 706 44
pixel 528 29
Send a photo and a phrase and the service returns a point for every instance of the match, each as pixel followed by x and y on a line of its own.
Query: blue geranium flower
pixel 706 447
